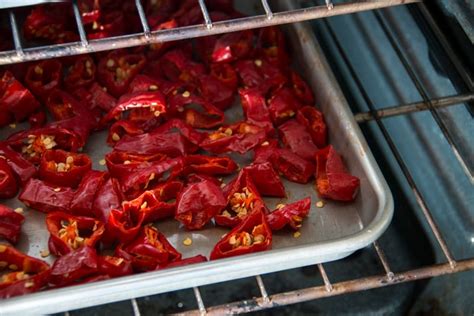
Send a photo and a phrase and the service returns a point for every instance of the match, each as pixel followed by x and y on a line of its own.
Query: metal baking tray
pixel 329 233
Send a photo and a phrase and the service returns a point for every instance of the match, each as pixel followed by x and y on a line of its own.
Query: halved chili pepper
pixel 120 163
pixel 81 74
pixel 265 151
pixel 266 179
pixel 24 274
pixel 301 89
pixel 23 169
pixel 259 73
pixel 176 65
pixel 37 119
pixel 10 224
pixel 95 97
pixel 111 23
pixel 8 184
pixel 114 266
pixel 242 199
pixel 148 250
pixel 107 198
pixel 239 137
pixel 43 77
pixel 122 226
pixel 252 235
pixel 124 127
pixel 63 168
pixel 45 197
pixel 332 179
pixel 313 119
pixel 226 74
pixel 271 43
pixel 292 166
pixel 296 137
pixel 74 266
pixel 117 70
pixel 255 108
pixel 68 233
pixel 232 46
pixel 216 92
pixel 85 195
pixel 291 214
pixel 145 83
pixel 198 203
pixel 183 262
pixel 207 165
pixel 185 129
pixel 283 105
pixel 15 99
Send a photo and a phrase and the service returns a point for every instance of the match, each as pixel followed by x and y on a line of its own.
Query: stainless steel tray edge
pixel 333 103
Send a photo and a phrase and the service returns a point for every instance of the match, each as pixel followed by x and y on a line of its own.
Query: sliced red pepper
pixel 207 165
pixel 291 214
pixel 242 199
pixel 313 119
pixel 23 169
pixel 121 163
pixel 25 274
pixel 74 266
pixel 117 69
pixel 265 151
pixel 198 203
pixel 10 224
pixel 107 25
pixel 81 74
pixel 148 250
pixel 46 198
pixel 95 97
pixel 215 91
pixel 37 119
pixel 176 65
pixel 185 129
pixel 122 226
pixel 271 43
pixel 232 46
pixel 15 99
pixel 332 179
pixel 114 266
pixel 283 105
pixel 301 89
pixel 124 127
pixel 63 168
pixel 68 233
pixel 43 77
pixel 296 137
pixel 145 83
pixel 292 166
pixel 183 262
pixel 255 108
pixel 155 50
pixel 259 73
pixel 266 179
pixel 252 235
pixel 239 137
pixel 85 195
pixel 90 10
pixel 226 74
pixel 8 184
pixel 107 198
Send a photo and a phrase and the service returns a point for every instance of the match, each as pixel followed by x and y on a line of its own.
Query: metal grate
pixel 21 54
pixel 389 277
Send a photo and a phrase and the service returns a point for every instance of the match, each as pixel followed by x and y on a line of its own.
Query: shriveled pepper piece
pixel 10 224
pixel 271 44
pixel 149 250
pixel 255 108
pixel 63 168
pixel 207 165
pixel 81 74
pixel 297 138
pixel 313 119
pixel 68 233
pixel 283 105
pixel 266 179
pixel 114 266
pixel 232 46
pixel 64 106
pixel 108 197
pixel 8 184
pixel 74 266
pixel 46 198
pixel 121 163
pixel 43 77
pixel 183 262
pixel 23 169
pixel 85 195
pixel 24 275
pixel 252 235
pixel 198 202
pixel 332 179
pixel 292 166
pixel 301 89
pixel 291 214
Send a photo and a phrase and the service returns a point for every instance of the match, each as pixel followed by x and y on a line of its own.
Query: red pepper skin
pixel 292 166
pixel 10 224
pixel 62 168
pixel 296 137
pixel 255 108
pixel 265 151
pixel 15 99
pixel 156 50
pixel 145 83
pixel 301 89
pixel 332 179
pixel 207 165
pixel 118 63
pixel 81 74
pixel 215 91
pixel 22 168
pixel 109 24
pixel 85 195
pixel 121 163
pixel 68 233
pixel 198 203
pixel 95 98
pixel 185 129
pixel 271 44
pixel 239 137
pixel 30 276
pixel 148 250
pixel 266 179
pixel 259 73
pixel 43 77
pixel 74 266
pixel 114 266
pixel 90 11
pixel 37 119
pixel 226 74
pixel 315 124
pixel 8 184
pixel 122 227
pixel 5 117
pixel 46 198
pixel 122 128
pixel 290 214
pixel 283 105
pixel 254 224
pixel 232 46
pixel 107 198
pixel 183 262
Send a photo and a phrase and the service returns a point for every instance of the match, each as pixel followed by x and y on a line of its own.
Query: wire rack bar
pixel 316 292
pixel 80 27
pixel 15 34
pixel 268 10
pixel 419 198
pixel 143 20
pixel 383 260
pixel 324 275
pixel 317 12
pixel 414 107
pixel 135 308
pixel 262 288
pixel 205 14
pixel 426 99
pixel 200 302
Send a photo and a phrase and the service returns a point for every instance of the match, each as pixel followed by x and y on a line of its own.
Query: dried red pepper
pixel 8 184
pixel 43 77
pixel 232 46
pixel 109 23
pixel 24 275
pixel 283 105
pixel 114 266
pixel 259 73
pixel 332 179
pixel 291 214
pixel 121 163
pixel 252 235
pixel 68 233
pixel 301 89
pixel 83 202
pixel 10 224
pixel 207 165
pixel 46 198
pixel 255 108
pixel 313 119
pixel 292 166
pixel 37 119
pixel 266 179
pixel 74 266
pixel 296 137
pixel 63 168
pixel 199 202
pixel 81 74
pixel 95 97
pixel 183 262
pixel 107 198
pixel 23 169
pixel 271 44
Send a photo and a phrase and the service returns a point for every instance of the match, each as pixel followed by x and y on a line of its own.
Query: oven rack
pixel 22 54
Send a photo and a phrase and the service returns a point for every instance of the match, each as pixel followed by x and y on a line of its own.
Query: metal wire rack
pixel 388 276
